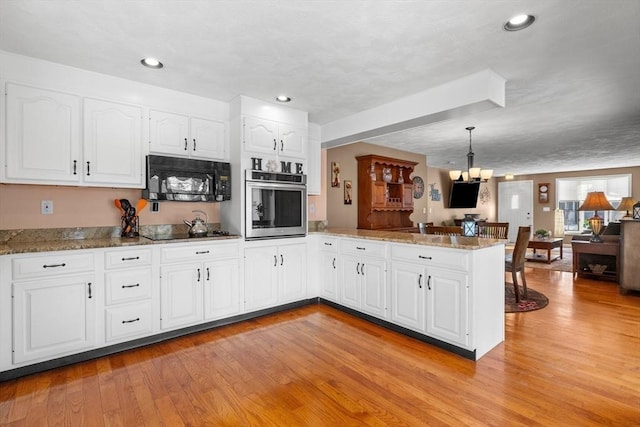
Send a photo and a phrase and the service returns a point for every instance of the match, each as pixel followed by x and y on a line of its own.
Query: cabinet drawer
pixel 127 285
pixel 328 244
pixel 128 321
pixel 431 256
pixel 362 247
pixel 52 265
pixel 197 252
pixel 127 258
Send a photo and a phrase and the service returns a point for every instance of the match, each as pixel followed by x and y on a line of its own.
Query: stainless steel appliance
pixel 276 205
pixel 187 180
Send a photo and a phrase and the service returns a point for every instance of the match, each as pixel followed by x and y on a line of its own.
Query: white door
pixel 447 305
pixel 374 287
pixel 52 317
pixel 168 133
pixel 180 295
pixel 221 289
pixel 408 282
pixel 329 275
pixel 349 292
pixel 43 135
pixel 207 139
pixel 292 141
pixel 112 144
pixel 260 278
pixel 515 205
pixel 292 272
pixel 260 135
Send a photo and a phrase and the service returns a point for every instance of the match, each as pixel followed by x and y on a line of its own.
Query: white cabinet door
pixel 207 139
pixel 181 295
pixel 374 286
pixel 350 293
pixel 329 275
pixel 53 317
pixel 260 135
pixel 43 135
pixel 292 272
pixel 260 277
pixel 168 133
pixel 221 289
pixel 112 144
pixel 408 296
pixel 447 305
pixel 292 141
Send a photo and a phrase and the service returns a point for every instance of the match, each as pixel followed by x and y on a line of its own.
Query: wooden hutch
pixel 385 193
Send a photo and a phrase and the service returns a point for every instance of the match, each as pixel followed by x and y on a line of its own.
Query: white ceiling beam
pixel 477 92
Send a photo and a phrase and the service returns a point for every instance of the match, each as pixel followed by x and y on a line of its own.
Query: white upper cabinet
pixel 112 143
pixel 44 144
pixel 278 139
pixel 43 136
pixel 179 135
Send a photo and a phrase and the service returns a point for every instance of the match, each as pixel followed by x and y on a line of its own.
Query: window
pixel 572 192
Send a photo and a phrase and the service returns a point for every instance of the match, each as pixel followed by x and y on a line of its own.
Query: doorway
pixel 515 205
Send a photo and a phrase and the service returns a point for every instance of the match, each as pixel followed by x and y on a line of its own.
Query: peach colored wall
pixel 320 202
pixel 545 220
pixel 85 207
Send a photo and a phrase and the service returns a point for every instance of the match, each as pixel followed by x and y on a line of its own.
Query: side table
pixel 607 248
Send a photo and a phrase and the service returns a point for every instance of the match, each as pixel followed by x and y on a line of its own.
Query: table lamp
pixel 596 201
pixel 626 204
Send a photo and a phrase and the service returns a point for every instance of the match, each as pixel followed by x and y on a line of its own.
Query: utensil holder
pixel 129 226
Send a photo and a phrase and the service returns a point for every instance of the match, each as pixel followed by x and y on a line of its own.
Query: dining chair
pixel 514 262
pixel 494 230
pixel 444 230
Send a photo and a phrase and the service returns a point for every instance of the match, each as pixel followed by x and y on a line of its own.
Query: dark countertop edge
pixel 465 243
pixel 70 244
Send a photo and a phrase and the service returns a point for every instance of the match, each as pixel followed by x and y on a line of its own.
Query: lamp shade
pixel 596 201
pixel 626 204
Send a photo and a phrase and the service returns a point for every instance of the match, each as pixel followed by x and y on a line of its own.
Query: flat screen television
pixel 464 194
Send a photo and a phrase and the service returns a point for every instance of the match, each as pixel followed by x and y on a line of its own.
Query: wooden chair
pixel 494 230
pixel 514 262
pixel 444 230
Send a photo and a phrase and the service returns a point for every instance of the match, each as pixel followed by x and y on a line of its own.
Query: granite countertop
pixel 63 239
pixel 456 242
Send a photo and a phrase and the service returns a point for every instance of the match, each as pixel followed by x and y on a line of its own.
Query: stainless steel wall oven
pixel 276 205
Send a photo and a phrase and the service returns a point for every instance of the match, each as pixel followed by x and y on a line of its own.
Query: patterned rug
pixel 535 300
pixel 564 264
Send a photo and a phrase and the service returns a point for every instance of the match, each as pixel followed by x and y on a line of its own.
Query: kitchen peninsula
pixel 68 300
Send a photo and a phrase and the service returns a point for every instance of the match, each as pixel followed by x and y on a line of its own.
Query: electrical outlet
pixel 46 207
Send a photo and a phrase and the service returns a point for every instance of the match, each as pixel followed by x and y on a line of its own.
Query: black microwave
pixel 187 180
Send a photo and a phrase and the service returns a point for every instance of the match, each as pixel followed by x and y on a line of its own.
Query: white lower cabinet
pixel 53 317
pixel 328 269
pixel 407 295
pixel 196 291
pixel 274 274
pixel 363 277
pixel 447 308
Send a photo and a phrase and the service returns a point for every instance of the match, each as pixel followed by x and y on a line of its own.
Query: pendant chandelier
pixel 472 173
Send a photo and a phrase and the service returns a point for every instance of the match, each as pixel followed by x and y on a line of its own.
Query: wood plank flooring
pixel 574 363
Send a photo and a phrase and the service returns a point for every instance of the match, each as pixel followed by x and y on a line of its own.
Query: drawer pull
pixel 328 244
pixel 137 319
pixel 361 248
pixel 130 286
pixel 54 265
pixel 131 258
pixel 201 252
pixel 424 257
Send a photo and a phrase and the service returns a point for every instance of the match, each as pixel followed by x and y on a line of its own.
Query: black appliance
pixel 187 180
pixel 464 194
pixel 185 235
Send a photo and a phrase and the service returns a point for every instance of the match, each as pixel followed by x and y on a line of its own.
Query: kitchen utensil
pixel 118 205
pixel 142 203
pixel 124 203
pixel 198 227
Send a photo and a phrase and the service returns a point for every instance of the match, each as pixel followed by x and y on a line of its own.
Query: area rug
pixel 564 264
pixel 535 300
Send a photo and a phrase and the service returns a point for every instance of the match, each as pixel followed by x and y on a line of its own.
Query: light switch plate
pixel 46 207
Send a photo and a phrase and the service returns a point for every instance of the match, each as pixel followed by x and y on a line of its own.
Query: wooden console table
pixel 607 248
pixel 547 245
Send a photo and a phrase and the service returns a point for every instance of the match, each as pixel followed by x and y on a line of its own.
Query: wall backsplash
pixel 85 207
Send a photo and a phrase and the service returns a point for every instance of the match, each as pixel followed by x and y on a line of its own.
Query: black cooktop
pixel 185 235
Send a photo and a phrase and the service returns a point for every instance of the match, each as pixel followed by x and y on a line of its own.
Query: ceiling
pixel 573 77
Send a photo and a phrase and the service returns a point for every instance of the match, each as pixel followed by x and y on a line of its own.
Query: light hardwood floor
pixel 574 363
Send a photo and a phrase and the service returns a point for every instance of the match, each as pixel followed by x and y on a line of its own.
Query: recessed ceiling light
pixel 519 22
pixel 151 63
pixel 283 98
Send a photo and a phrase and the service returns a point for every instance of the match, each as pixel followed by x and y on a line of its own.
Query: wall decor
pixel 485 195
pixel 418 187
pixel 434 193
pixel 347 192
pixel 335 174
pixel 543 192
